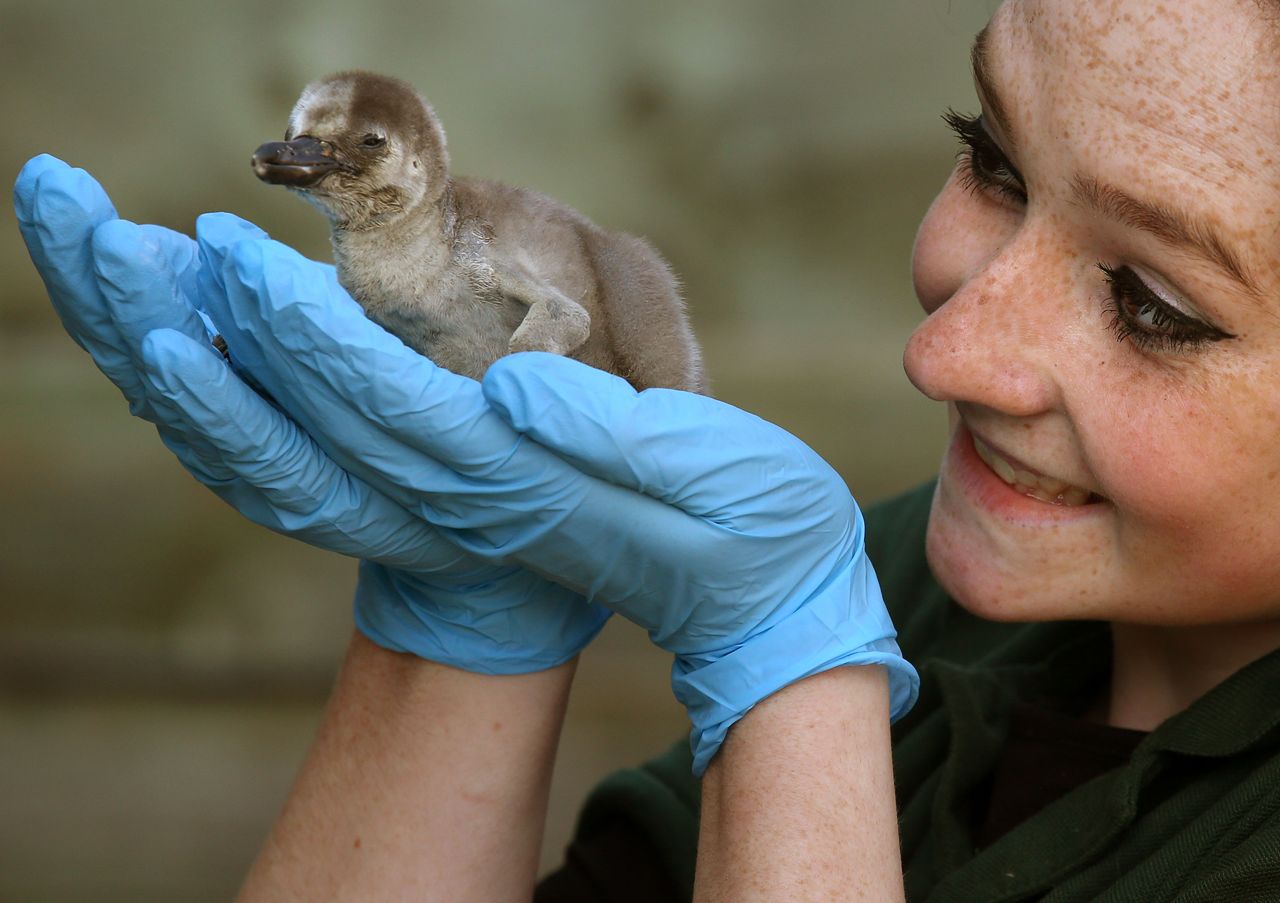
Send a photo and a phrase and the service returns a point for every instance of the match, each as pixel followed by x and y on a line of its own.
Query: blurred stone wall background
pixel 162 663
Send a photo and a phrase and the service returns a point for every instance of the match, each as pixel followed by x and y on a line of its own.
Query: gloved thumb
pixel 685 449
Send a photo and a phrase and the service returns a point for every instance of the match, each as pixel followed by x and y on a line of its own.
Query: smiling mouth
pixel 1030 483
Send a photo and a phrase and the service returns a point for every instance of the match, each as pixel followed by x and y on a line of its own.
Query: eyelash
pixel 985 168
pixel 1165 329
pixel 981 159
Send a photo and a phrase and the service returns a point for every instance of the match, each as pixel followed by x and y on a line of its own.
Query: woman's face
pixel 1102 278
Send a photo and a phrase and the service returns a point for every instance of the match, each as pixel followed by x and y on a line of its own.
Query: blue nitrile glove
pixel 124 293
pixel 729 540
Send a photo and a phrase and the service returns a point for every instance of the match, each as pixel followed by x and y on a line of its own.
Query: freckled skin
pixel 1167 101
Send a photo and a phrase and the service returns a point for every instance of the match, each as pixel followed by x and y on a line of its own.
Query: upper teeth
pixel 1038 486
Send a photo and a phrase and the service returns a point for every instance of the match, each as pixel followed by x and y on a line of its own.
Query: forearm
pixel 799 803
pixel 424 783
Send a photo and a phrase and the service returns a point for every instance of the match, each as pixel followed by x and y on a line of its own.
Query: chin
pixel 972 578
pixel 962 578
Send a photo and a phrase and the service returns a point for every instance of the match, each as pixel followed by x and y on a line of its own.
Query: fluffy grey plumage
pixel 466 270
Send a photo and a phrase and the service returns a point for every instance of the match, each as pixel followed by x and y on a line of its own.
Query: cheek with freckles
pixel 1193 476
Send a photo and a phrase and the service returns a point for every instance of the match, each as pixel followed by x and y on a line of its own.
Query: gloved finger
pixel 245 301
pixel 139 270
pixel 24 187
pixel 698 454
pixel 282 479
pixel 215 232
pixel 57 209
pixel 311 333
pixel 196 456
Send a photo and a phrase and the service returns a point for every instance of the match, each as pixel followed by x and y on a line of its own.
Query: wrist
pixel 424 781
pixel 799 805
pixel 844 623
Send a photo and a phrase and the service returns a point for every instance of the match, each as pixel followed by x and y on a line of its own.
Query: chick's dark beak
pixel 299 163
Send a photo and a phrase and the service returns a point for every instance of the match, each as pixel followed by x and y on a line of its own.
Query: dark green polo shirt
pixel 1193 817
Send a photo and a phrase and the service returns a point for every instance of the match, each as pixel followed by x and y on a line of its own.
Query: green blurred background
pixel 162 662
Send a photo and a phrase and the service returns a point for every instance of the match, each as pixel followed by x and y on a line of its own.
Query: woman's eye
pixel 1139 315
pixel 986 168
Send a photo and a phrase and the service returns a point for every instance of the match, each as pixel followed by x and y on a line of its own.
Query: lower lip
pixel 984 489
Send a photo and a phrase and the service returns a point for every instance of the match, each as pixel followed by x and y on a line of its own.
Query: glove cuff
pixel 844 623
pixel 403 614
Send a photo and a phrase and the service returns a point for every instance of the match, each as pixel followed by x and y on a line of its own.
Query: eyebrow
pixel 1168 223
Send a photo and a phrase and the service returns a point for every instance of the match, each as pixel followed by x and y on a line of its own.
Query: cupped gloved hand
pixel 731 542
pixel 126 294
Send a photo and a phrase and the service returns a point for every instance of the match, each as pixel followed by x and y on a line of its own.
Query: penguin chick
pixel 465 270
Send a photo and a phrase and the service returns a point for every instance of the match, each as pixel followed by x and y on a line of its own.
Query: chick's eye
pixel 986 167
pixel 372 140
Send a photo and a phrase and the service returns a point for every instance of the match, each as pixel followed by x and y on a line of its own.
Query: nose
pixel 995 340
